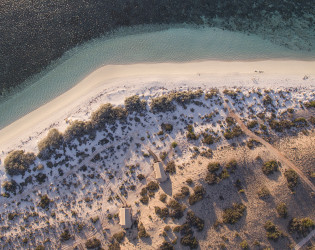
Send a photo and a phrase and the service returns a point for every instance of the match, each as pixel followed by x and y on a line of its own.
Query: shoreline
pixel 134 77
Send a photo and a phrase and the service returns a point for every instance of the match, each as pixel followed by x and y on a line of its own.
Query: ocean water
pixel 179 44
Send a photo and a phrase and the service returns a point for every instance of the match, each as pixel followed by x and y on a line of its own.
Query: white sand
pixel 129 79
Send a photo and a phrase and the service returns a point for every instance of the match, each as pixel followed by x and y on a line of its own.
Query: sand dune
pixel 220 72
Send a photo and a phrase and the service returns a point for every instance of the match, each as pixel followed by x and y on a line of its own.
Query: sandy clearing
pixel 57 110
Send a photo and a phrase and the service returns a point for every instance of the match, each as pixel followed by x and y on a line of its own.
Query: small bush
pixel 235 132
pixel 17 162
pixel 144 200
pixel 267 100
pixel 270 167
pixel 292 178
pixel 208 139
pixel 50 143
pixel 195 221
pixel 163 213
pixel 300 122
pixel 135 104
pixel 166 246
pixel 176 209
pixel 170 167
pixel 10 186
pixel 152 186
pixel 65 235
pixel 142 233
pixel 44 201
pixel 233 214
pixel 213 93
pixel 213 167
pixel 282 210
pixel 198 195
pixel 232 164
pixel 244 245
pixel 212 178
pixel 230 121
pixel 310 104
pixel 189 181
pixel 93 243
pixel 174 144
pixel 119 236
pixel 167 127
pixel 263 193
pixel 141 177
pixel 273 232
pixel 190 241
pixel 107 114
pixel 163 197
pixel 301 226
pixel 252 124
pixel 77 129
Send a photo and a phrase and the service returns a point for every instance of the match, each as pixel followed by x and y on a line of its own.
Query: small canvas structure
pixel 125 217
pixel 159 172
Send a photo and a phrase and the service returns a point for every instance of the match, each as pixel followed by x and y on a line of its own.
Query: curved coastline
pixel 197 73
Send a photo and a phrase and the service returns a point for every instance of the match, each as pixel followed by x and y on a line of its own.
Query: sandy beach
pixel 136 77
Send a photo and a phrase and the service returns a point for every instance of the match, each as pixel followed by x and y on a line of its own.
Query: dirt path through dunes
pixel 272 149
pixel 305 240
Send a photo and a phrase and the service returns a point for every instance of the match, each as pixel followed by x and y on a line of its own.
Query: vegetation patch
pixel 176 209
pixel 65 235
pixel 44 201
pixel 233 133
pixel 263 193
pixel 163 213
pixel 107 114
pixel 282 210
pixel 198 195
pixel 119 236
pixel 170 167
pixel 49 144
pixel 135 104
pixel 301 226
pixel 270 167
pixel 233 214
pixel 93 243
pixel 142 233
pixel 292 178
pixel 17 162
pixel 273 232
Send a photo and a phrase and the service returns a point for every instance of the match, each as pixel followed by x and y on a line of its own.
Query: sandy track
pixel 272 149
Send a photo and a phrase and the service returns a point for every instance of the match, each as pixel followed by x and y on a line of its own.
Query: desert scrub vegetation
pixel 119 236
pixel 10 186
pixel 142 233
pixel 282 210
pixel 191 133
pixel 176 209
pixel 212 93
pixel 292 178
pixel 93 243
pixel 263 192
pixel 272 231
pixel 162 213
pixel 198 195
pixel 167 127
pixel 44 201
pixel 167 102
pixel 270 167
pixel 230 92
pixel 76 129
pixel 107 114
pixel 135 104
pixel 18 162
pixel 267 100
pixel 65 235
pixel 252 124
pixel 233 214
pixel 301 226
pixel 233 133
pixel 49 144
pixel 244 245
pixel 166 246
pixel 184 192
pixel 195 221
pixel 170 167
pixel 280 126
pixel 310 104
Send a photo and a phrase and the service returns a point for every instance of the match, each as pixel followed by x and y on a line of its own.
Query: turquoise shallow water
pixel 171 45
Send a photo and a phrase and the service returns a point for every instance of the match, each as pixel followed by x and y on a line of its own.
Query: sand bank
pixel 28 129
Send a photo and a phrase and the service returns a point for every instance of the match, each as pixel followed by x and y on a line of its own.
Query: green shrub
pixel 167 127
pixel 213 167
pixel 162 104
pixel 17 162
pixel 144 200
pixel 40 247
pixel 170 167
pixel 182 194
pixel 95 219
pixel 174 144
pixel 233 214
pixel 300 122
pixel 198 195
pixel 10 186
pixel 235 132
pixel 263 192
pixel 140 177
pixel 166 246
pixel 44 201
pixel 163 197
pixel 113 246
pixel 50 143
pixel 282 210
pixel 213 93
pixel 267 100
pixel 189 181
pixel 119 236
pixel 163 155
pixel 152 186
pixel 93 243
pixel 252 124
pixel 232 164
pixel 195 221
pixel 230 121
pixel 230 93
pixel 190 241
pixel 191 134
pixel 270 167
pixel 279 126
pixel 163 213
pixel 65 235
pixel 310 104
pixel 244 245
pixel 142 233
pixel 107 114
pixel 273 232
pixel 292 178
pixel 176 209
pixel 76 129
pixel 301 226
pixel 212 178
pixel 208 139
pixel 135 104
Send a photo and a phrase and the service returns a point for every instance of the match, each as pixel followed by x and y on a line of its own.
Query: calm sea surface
pixel 171 45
